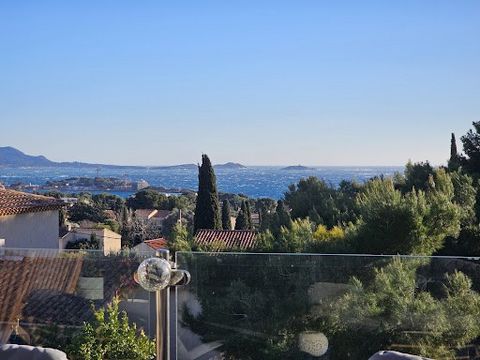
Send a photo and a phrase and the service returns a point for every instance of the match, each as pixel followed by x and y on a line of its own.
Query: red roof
pixel 144 214
pixel 16 202
pixel 148 214
pixel 163 214
pixel 156 244
pixel 228 239
pixel 22 276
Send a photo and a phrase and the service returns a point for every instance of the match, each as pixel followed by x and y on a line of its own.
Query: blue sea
pixel 254 181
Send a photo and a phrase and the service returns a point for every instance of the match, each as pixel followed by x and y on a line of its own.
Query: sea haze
pixel 254 181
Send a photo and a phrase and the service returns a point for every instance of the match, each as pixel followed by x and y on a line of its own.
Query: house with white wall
pixel 108 240
pixel 28 220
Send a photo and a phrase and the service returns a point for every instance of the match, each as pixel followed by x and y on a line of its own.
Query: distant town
pixel 96 184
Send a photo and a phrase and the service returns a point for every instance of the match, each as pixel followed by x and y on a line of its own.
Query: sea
pixel 253 181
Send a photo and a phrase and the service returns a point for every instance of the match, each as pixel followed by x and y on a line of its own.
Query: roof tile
pixel 239 239
pixel 16 202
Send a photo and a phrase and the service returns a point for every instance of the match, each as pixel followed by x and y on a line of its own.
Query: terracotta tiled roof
pixel 144 214
pixel 156 244
pixel 16 202
pixel 162 214
pixel 22 276
pixel 229 239
pixel 148 214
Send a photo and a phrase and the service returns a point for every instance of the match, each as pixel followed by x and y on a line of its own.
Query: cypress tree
pixel 453 148
pixel 282 216
pixel 248 215
pixel 454 162
pixel 242 223
pixel 226 221
pixel 207 208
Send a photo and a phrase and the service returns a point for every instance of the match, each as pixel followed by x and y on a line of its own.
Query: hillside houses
pixel 153 216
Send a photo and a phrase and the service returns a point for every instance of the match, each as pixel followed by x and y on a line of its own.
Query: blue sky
pixel 258 82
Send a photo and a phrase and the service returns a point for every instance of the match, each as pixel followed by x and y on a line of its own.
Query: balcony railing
pixel 249 306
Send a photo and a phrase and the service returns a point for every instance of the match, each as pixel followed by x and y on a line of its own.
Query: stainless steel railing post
pixel 163 317
pixel 158 275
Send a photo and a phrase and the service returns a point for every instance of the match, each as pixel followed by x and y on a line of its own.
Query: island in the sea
pixel 96 184
pixel 230 165
pixel 297 168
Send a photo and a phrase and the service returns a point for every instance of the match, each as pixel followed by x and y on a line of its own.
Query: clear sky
pixel 257 82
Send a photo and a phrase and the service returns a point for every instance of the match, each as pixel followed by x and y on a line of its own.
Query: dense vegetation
pixel 424 306
pixel 423 211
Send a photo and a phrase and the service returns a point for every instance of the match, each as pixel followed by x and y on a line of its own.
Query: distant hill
pixel 296 168
pixel 11 157
pixel 175 167
pixel 230 165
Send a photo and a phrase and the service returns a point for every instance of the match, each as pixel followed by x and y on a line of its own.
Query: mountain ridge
pixel 12 157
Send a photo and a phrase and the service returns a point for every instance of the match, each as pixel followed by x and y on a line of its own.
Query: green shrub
pixel 111 337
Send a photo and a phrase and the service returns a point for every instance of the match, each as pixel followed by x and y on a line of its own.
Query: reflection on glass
pixel 281 306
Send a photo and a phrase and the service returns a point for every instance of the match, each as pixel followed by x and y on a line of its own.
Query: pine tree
pixel 315 216
pixel 242 223
pixel 226 221
pixel 207 209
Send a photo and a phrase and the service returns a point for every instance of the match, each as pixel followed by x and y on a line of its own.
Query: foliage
pixel 184 202
pixel 207 210
pixel 243 221
pixel 471 148
pixel 85 211
pixel 323 234
pixel 85 244
pixel 466 244
pixel 391 312
pixel 149 199
pixel 455 160
pixel 235 200
pixel 281 219
pixel 108 202
pixel 226 220
pixel 152 199
pixel 137 231
pixel 265 241
pixel 174 218
pixel 296 237
pixel 414 223
pixel 465 195
pixel 312 193
pixel 111 336
pixel 111 225
pixel 266 209
pixel 417 176
pixel 246 313
pixel 248 215
pixel 180 239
